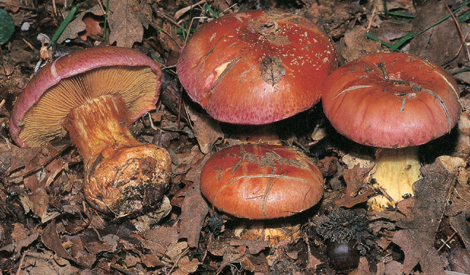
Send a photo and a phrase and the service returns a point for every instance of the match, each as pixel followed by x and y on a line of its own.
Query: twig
pixel 178 259
pixel 167 17
pixel 462 37
pixel 35 169
pixel 449 194
pixel 182 11
pixel 448 239
pixel 18 272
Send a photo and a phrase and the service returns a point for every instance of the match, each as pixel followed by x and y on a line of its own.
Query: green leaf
pixel 7 26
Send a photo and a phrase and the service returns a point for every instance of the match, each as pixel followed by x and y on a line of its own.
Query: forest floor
pixel 47 227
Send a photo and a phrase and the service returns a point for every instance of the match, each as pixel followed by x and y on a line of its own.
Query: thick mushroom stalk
pixel 122 175
pixel 396 171
pixel 96 94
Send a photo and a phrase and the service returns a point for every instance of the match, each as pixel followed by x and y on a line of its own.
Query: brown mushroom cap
pixel 256 67
pixel 41 109
pixel 391 100
pixel 260 181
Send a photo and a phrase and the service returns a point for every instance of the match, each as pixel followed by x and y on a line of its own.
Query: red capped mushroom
pixel 261 181
pixel 256 67
pixel 396 102
pixel 95 94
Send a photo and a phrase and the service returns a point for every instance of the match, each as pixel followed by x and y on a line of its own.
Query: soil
pixel 47 226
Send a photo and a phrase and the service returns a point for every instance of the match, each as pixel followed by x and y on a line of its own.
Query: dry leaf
pixel 430 43
pixel 423 214
pixel 356 44
pixel 51 240
pixel 206 129
pixel 194 208
pixel 79 25
pixel 158 239
pixel 126 28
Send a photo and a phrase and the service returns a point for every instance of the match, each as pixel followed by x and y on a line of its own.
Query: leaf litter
pixel 47 226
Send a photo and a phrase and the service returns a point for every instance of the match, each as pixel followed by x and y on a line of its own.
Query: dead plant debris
pixel 47 227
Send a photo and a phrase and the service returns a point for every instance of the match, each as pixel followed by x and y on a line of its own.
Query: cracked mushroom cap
pixel 256 67
pixel 41 109
pixel 261 181
pixel 391 100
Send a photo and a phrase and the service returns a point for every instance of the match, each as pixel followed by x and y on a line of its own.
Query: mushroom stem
pixel 256 133
pixel 122 175
pixel 396 171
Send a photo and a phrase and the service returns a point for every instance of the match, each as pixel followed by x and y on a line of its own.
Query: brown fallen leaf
pixel 17 246
pixel 83 24
pixel 355 179
pixel 459 213
pixel 79 252
pixel 20 157
pixel 355 44
pixel 194 208
pixel 50 239
pixel 188 266
pixel 45 263
pixel 423 214
pixel 38 203
pixel 254 247
pixel 158 239
pixel 171 43
pixel 206 129
pixel 125 22
pixel 390 31
pixel 150 260
pixel 429 44
pixel 363 268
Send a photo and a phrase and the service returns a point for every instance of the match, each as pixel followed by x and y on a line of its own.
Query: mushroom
pixel 394 102
pixel 256 67
pixel 96 94
pixel 261 181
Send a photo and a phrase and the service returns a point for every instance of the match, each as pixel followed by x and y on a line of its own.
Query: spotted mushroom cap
pixel 261 181
pixel 391 100
pixel 256 67
pixel 64 84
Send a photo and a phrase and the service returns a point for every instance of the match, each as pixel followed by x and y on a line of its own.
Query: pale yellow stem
pixel 396 171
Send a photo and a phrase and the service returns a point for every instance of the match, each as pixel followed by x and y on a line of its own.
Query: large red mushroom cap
pixel 260 181
pixel 40 110
pixel 256 67
pixel 391 100
pixel 394 101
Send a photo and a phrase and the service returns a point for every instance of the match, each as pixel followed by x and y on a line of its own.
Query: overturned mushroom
pixel 95 94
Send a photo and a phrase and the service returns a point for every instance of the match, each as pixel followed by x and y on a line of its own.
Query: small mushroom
pixel 261 181
pixel 96 94
pixel 394 102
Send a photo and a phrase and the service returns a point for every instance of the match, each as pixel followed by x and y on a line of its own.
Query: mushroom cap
pixel 391 100
pixel 261 181
pixel 40 110
pixel 256 67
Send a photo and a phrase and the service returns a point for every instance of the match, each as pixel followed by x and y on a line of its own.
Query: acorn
pixel 347 235
pixel 342 256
